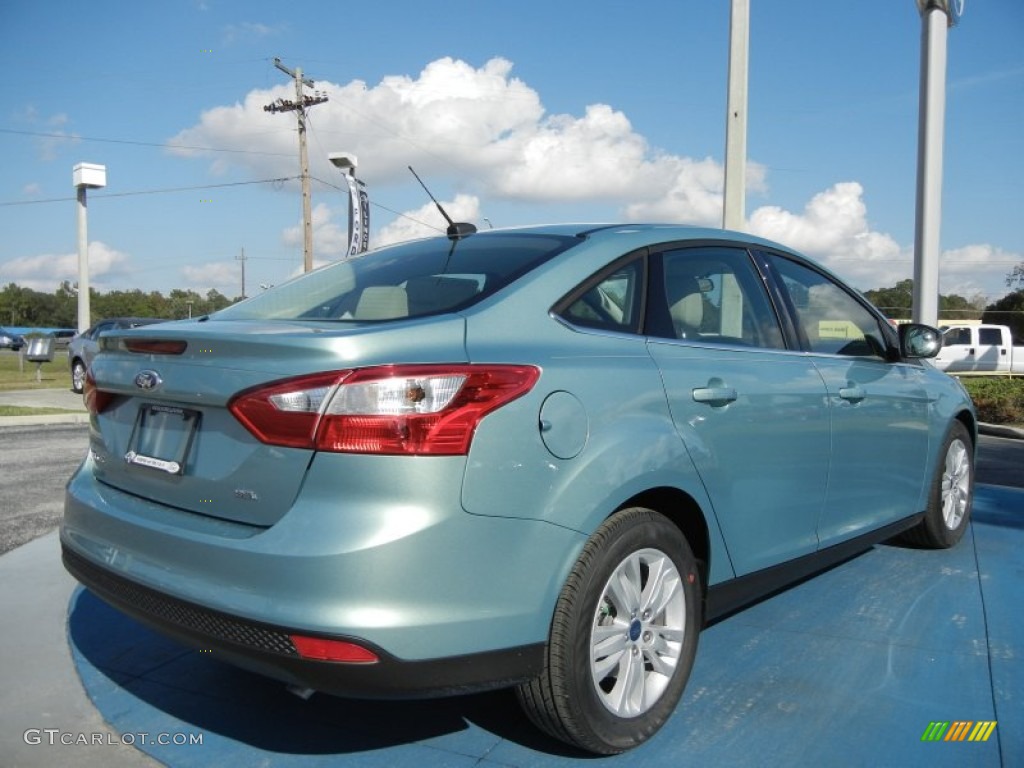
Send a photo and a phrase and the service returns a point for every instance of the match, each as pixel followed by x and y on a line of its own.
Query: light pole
pixel 359 203
pixel 936 17
pixel 734 203
pixel 85 176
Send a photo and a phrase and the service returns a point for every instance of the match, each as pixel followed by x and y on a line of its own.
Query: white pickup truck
pixel 981 349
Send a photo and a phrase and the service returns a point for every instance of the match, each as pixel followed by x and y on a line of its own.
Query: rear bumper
pixel 268 649
pixel 448 601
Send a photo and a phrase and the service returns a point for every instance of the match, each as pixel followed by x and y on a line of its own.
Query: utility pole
pixel 299 108
pixel 241 258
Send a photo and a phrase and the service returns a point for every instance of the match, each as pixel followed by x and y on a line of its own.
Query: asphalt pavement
pixel 848 668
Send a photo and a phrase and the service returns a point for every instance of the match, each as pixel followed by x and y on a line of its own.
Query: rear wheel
pixel 77 376
pixel 623 637
pixel 949 502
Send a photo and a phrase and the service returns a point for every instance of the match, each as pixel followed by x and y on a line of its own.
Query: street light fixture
pixel 345 161
pixel 359 203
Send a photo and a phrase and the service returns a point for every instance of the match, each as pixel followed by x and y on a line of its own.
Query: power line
pixel 382 207
pixel 161 145
pixel 153 191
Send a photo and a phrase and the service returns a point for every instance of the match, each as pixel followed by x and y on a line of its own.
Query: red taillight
pixel 399 409
pixel 286 412
pixel 96 400
pixel 332 650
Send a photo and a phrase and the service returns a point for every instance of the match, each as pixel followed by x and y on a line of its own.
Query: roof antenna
pixel 455 231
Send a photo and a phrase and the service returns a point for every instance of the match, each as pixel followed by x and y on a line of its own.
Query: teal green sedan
pixel 540 458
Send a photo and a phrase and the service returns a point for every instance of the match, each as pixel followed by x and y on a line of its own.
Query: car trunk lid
pixel 165 432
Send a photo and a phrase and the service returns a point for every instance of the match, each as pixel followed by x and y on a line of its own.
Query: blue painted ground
pixel 847 668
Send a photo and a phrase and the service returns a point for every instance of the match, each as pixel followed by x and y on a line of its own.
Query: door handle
pixel 853 394
pixel 715 396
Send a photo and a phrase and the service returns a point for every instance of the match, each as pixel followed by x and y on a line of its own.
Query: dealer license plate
pixel 162 437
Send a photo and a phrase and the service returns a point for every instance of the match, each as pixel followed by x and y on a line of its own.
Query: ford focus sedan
pixel 540 458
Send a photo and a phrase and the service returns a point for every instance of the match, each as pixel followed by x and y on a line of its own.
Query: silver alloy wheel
pixel 78 376
pixel 956 484
pixel 637 633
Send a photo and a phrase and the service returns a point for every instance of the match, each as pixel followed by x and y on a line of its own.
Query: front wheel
pixel 623 636
pixel 952 491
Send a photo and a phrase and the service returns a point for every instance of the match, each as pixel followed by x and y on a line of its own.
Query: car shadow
pixel 121 660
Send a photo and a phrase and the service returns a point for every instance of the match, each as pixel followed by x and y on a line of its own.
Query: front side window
pixel 715 296
pixel 956 336
pixel 832 320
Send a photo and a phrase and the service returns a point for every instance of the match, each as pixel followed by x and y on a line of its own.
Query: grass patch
pixel 18 374
pixel 998 399
pixel 18 410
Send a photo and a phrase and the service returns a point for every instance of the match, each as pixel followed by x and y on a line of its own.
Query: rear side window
pixel 713 295
pixel 613 302
pixel 414 279
pixel 993 336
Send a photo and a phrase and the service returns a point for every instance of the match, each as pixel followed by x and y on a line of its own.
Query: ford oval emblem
pixel 148 380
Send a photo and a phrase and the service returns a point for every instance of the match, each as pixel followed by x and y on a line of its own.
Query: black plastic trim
pixel 728 597
pixel 268 649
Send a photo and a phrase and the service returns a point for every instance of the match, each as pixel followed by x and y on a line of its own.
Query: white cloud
pixel 833 229
pixel 46 271
pixel 487 133
pixel 52 134
pixel 427 220
pixel 480 126
pixel 977 269
pixel 225 276
pixel 330 227
pixel 329 237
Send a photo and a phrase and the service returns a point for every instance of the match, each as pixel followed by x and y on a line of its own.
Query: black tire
pixel 77 376
pixel 951 494
pixel 567 700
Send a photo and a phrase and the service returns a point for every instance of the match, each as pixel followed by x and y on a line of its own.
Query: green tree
pixel 1015 277
pixel 896 301
pixel 1009 310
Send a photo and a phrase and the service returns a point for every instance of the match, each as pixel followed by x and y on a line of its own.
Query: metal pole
pixel 241 258
pixel 734 213
pixel 83 262
pixel 931 118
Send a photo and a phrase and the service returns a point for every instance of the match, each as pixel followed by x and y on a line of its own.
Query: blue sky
pixel 519 113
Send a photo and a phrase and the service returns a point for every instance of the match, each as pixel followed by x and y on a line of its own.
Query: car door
pixel 752 414
pixel 958 350
pixel 878 405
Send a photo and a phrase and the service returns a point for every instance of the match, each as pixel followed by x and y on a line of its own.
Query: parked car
pixel 82 348
pixel 542 458
pixel 62 337
pixel 11 340
pixel 983 349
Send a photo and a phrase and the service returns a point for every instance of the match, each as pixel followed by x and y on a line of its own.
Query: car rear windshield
pixel 414 279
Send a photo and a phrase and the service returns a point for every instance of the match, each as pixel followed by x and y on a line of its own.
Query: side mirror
pixel 918 341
